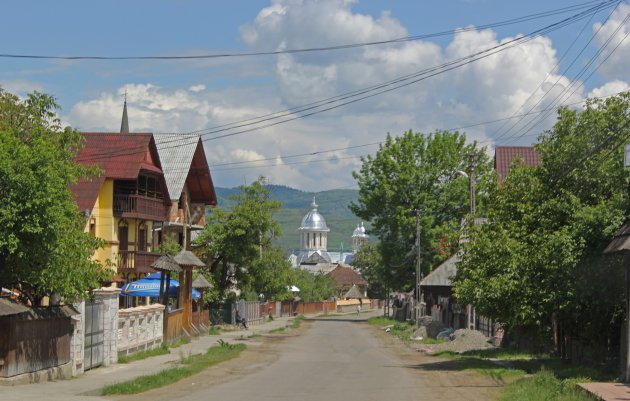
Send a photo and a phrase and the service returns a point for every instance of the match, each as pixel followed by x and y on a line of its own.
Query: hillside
pixel 333 205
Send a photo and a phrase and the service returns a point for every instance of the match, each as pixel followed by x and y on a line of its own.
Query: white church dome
pixel 314 220
pixel 359 231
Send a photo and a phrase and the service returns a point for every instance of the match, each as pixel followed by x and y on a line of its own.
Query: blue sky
pixel 182 96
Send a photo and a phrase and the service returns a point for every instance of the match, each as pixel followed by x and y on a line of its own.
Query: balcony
pixel 136 261
pixel 139 207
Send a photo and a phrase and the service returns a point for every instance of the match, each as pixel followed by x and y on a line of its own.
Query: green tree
pixel 313 287
pixel 416 171
pixel 271 274
pixel 539 259
pixel 369 262
pixel 43 249
pixel 237 238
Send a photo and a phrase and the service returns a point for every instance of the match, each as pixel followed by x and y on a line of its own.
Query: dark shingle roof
pixel 620 241
pixel 120 156
pixel 441 276
pixel 167 263
pixel 343 275
pixel 504 156
pixel 8 307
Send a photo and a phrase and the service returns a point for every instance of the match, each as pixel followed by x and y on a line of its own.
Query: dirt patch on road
pixel 262 350
pixel 437 375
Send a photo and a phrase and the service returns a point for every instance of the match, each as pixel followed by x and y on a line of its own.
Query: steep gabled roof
pixel 441 276
pixel 184 162
pixel 504 156
pixel 343 275
pixel 119 156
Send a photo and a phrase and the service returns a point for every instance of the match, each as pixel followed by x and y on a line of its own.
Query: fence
pixel 140 328
pixel 35 340
pixel 174 325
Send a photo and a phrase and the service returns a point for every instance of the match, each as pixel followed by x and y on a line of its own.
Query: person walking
pixel 358 309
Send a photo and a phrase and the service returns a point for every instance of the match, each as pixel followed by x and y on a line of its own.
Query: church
pixel 314 255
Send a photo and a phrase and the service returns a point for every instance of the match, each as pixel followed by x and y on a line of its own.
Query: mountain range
pixel 332 204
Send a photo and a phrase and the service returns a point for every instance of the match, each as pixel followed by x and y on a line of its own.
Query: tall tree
pixel 410 172
pixel 233 240
pixel 43 249
pixel 539 258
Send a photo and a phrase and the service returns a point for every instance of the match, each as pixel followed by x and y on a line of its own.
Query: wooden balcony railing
pixel 136 261
pixel 139 207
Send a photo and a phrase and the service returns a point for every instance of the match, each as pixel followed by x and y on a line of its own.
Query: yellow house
pixel 127 203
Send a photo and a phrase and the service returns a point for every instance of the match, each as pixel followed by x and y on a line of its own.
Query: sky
pixel 314 146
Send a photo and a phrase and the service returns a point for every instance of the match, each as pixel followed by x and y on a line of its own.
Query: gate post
pixel 109 298
pixel 78 338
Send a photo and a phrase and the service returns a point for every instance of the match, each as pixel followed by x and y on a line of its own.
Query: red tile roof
pixel 504 157
pixel 343 275
pixel 120 156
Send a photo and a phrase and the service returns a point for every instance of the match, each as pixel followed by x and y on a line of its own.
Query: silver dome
pixel 313 220
pixel 359 231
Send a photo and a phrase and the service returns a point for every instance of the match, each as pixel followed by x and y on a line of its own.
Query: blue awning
pixel 149 286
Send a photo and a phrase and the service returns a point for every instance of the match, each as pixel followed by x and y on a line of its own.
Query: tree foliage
pixel 313 287
pixel 416 171
pixel 539 257
pixel 43 249
pixel 369 263
pixel 241 237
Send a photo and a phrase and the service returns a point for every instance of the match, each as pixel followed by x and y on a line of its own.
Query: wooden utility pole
pixel 471 188
pixel 418 270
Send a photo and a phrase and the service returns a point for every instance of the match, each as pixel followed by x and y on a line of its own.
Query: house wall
pixel 106 227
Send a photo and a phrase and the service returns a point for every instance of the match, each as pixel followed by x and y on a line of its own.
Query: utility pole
pixel 471 187
pixel 417 293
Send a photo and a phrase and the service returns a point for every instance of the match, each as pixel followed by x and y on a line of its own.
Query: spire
pixel 314 204
pixel 124 125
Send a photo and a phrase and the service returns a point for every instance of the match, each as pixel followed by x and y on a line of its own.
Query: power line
pixel 314 49
pixel 395 84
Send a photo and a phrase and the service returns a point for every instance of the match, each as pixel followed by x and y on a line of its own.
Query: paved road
pixel 343 360
pixel 329 359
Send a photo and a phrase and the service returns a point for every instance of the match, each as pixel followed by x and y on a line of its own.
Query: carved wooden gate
pixel 94 335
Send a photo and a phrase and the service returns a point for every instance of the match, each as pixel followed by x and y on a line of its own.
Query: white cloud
pixel 609 88
pixel 21 87
pixel 502 85
pixel 616 67
pixel 197 88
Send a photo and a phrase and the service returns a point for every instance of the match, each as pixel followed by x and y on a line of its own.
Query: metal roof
pixel 441 276
pixel 313 221
pixel 504 156
pixel 184 162
pixel 360 231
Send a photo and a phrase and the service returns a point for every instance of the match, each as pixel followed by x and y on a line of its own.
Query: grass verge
pixel 530 377
pixel 161 350
pixel 402 330
pixel 189 366
pixel 544 385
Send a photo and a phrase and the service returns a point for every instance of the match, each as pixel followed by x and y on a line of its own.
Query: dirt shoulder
pixel 262 350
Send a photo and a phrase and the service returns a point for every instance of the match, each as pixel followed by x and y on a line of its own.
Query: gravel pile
pixel 462 340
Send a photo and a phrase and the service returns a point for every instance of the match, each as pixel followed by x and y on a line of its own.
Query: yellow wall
pixel 107 226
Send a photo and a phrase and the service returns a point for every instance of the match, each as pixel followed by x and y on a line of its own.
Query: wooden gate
pixel 94 335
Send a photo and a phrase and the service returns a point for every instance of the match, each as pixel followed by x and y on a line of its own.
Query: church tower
pixel 313 235
pixel 359 238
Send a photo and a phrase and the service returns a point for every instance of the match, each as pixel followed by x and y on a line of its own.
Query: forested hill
pixel 333 205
